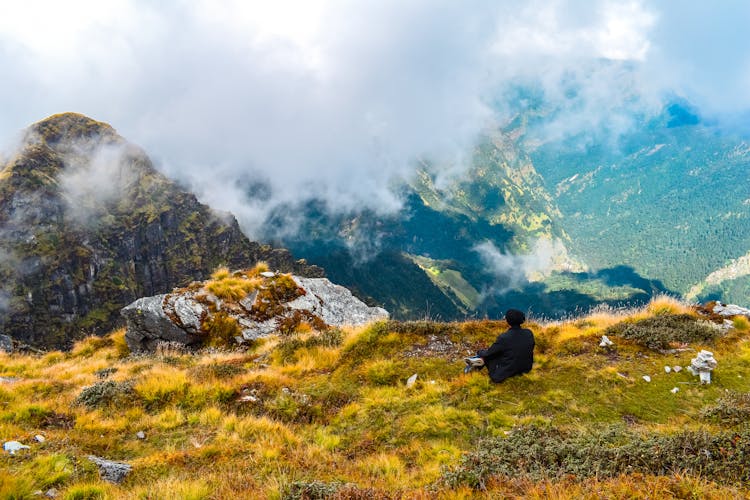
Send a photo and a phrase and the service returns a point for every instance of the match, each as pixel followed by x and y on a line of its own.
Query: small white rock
pixel 411 380
pixel 677 368
pixel 13 446
pixel 605 342
pixel 39 438
pixel 647 378
pixel 667 369
pixel 140 435
pixel 268 274
pixel 675 390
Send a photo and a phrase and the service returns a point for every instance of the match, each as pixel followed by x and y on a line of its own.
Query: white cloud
pixel 336 99
pixel 516 270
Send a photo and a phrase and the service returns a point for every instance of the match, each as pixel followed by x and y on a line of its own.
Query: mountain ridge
pixel 89 225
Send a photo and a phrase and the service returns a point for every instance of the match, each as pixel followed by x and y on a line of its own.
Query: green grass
pixel 331 414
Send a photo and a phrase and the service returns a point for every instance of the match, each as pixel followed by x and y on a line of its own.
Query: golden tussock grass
pixel 289 413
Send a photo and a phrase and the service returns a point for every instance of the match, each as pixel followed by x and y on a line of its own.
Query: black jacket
pixel 511 354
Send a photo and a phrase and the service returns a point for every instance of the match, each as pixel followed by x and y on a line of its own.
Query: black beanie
pixel 514 317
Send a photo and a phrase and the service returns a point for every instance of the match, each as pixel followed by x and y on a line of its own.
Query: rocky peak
pixel 68 128
pixel 87 225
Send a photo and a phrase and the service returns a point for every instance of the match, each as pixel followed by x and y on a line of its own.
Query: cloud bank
pixel 335 99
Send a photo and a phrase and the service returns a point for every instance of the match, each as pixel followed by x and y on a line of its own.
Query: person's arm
pixel 494 349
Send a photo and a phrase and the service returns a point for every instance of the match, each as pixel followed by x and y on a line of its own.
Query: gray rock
pixel 189 311
pixel 703 364
pixel 334 304
pixel 176 319
pixel 13 446
pixel 51 493
pixel 140 435
pixel 248 302
pixel 148 325
pixel 6 343
pixel 111 471
pixel 730 310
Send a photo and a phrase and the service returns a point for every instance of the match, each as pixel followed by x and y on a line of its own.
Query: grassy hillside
pixel 329 414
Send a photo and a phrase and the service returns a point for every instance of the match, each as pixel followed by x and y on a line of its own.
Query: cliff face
pixel 87 225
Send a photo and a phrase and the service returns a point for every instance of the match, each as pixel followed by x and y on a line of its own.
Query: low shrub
pixel 221 329
pixel 659 332
pixel 540 453
pixel 423 328
pixel 320 490
pixel 106 393
pixel 217 370
pixel 730 409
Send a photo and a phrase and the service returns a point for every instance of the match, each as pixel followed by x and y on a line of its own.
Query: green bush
pixel 658 332
pixel 312 490
pixel 320 490
pixel 546 453
pixel 423 328
pixel 106 393
pixel 730 409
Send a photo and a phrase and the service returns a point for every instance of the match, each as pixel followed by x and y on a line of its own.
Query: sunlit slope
pixel 313 414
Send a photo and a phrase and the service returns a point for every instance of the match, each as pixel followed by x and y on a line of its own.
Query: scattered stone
pixel 6 343
pixel 411 380
pixel 730 310
pixel 668 369
pixel 647 378
pixel 677 368
pixel 51 493
pixel 39 438
pixel 140 435
pixel 702 365
pixel 268 274
pixel 436 346
pixel 8 380
pixel 606 342
pixel 111 471
pixel 675 390
pixel 13 446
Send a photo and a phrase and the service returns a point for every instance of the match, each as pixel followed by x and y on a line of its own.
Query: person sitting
pixel 511 354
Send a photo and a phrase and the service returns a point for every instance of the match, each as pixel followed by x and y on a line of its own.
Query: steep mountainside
pixel 471 245
pixel 671 200
pixel 88 225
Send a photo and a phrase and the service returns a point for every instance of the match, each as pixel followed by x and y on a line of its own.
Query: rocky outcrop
pixel 730 310
pixel 111 471
pixel 87 225
pixel 216 313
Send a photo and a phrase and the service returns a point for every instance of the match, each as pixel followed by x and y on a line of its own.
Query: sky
pixel 338 99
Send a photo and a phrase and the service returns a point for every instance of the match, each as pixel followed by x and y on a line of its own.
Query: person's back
pixel 513 351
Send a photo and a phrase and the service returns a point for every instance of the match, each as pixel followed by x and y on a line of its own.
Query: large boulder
pixel 240 307
pixel 149 325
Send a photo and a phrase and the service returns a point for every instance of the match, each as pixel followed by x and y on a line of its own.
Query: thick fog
pixel 337 100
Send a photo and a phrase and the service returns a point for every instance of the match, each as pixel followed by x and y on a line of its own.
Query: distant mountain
pixel 88 225
pixel 472 246
pixel 670 199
